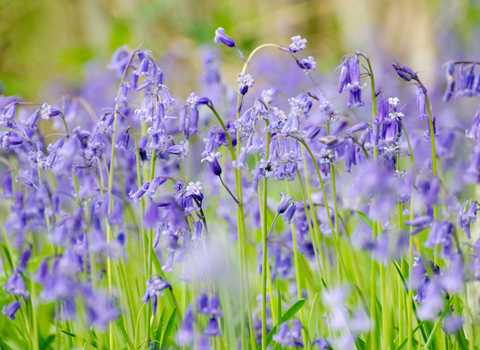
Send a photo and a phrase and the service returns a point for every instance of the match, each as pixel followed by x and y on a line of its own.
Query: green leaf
pixel 279 301
pixel 293 310
pixel 365 218
pixel 158 334
pixel 406 339
pixel 360 344
pixel 92 342
pixel 171 323
pixel 125 334
pixel 313 320
pixel 288 315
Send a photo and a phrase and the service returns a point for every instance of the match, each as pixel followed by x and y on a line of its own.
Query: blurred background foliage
pixel 52 40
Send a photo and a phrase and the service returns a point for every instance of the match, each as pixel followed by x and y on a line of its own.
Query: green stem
pixel 373 280
pixel 336 234
pixel 325 199
pixel 297 265
pixel 264 247
pixel 322 268
pixel 410 252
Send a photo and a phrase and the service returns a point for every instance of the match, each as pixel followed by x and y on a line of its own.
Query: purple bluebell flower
pixel 421 103
pixel 25 177
pixel 453 280
pixel 405 72
pixel 168 267
pixel 285 202
pixel 464 219
pixel 353 84
pixel 10 310
pixel 441 234
pixel 202 304
pixel 357 127
pixel 100 309
pixel 322 344
pixel 185 334
pixel 7 185
pixel 420 223
pixel 195 189
pixel 307 64
pixel 325 156
pixel 214 308
pixel 32 121
pixel 180 150
pixel 298 44
pixel 16 285
pixel 139 193
pixel 222 38
pixel 213 329
pixel 47 112
pixel 22 264
pixel 269 95
pixel 245 81
pixel 452 324
pixel 7 118
pixel 155 286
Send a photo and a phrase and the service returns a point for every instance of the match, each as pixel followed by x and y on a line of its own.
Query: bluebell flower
pixel 245 81
pixel 441 234
pixel 195 189
pixel 298 44
pixel 139 193
pixel 169 262
pixel 421 103
pixel 240 162
pixel 285 202
pixel 354 84
pixel 325 156
pixel 465 81
pixel 420 223
pixel 300 106
pixel 214 308
pixel 7 118
pixel 202 304
pixel 155 286
pixel 464 219
pixel 452 324
pixel 180 150
pixel 307 64
pixel 213 329
pixel 344 78
pixel 185 334
pixel 22 264
pixel 7 185
pixel 25 177
pixel 222 38
pixel 47 112
pixel 100 309
pixel 404 72
pixel 16 285
pixel 269 95
pixel 10 310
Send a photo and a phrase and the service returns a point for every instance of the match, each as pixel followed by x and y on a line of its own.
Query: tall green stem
pixel 410 253
pixel 264 248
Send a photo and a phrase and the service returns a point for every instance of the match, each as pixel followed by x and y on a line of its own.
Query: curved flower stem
pixel 372 83
pixel 410 254
pixel 264 246
pixel 228 190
